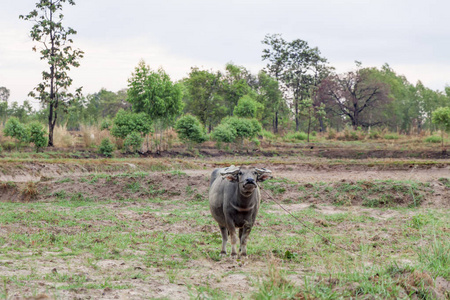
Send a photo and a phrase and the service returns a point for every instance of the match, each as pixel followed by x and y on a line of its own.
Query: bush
pixel 374 134
pixel 105 124
pixel 133 142
pixel 391 136
pixel 433 139
pixel 296 136
pixel 245 128
pixel 268 135
pixel 15 129
pixel 38 135
pixel 224 133
pixel 8 145
pixel 106 147
pixel 331 134
pixel 190 130
pixel 127 122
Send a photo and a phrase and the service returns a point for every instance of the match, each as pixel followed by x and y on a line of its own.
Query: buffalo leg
pixel 234 240
pixel 224 232
pixel 244 232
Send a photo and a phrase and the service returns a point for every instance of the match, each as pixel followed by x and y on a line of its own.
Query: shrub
pixel 331 134
pixel 15 129
pixel 106 148
pixel 391 136
pixel 127 122
pixel 374 134
pixel 224 133
pixel 245 128
pixel 190 130
pixel 433 139
pixel 133 142
pixel 268 135
pixel 38 135
pixel 296 136
pixel 105 124
pixel 8 145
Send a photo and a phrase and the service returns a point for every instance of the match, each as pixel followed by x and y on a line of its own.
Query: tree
pixel 270 95
pixel 355 95
pixel 57 51
pixel 203 98
pixel 247 107
pixel 298 66
pixel 37 135
pixel 441 117
pixel 153 93
pixel 4 94
pixel 237 82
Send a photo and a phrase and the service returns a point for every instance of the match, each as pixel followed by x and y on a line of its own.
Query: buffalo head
pixel 247 178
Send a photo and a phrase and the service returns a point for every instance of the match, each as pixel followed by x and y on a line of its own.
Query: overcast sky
pixel 412 36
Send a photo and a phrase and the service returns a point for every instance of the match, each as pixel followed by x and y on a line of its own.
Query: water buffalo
pixel 234 200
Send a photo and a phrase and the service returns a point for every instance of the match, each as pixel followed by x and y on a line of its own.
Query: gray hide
pixel 234 200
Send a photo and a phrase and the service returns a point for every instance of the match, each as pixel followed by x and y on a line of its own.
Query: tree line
pixel 297 90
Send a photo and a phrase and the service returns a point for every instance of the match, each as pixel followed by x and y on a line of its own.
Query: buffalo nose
pixel 250 180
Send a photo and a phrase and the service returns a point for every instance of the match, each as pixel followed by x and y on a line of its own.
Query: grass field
pixel 145 232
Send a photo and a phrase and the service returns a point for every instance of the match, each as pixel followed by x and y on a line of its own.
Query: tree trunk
pixel 51 126
pixel 275 123
pixel 297 123
pixel 309 125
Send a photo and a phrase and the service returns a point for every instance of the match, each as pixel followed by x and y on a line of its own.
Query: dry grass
pixel 62 138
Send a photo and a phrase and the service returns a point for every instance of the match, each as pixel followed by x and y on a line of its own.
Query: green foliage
pixel 127 122
pixel 433 139
pixel 203 96
pixel 441 117
pixel 106 124
pixel 391 136
pixel 106 147
pixel 190 130
pixel 296 136
pixel 38 135
pixel 133 142
pixel 153 93
pixel 224 133
pixel 15 129
pixel 268 135
pixel 245 128
pixel 247 107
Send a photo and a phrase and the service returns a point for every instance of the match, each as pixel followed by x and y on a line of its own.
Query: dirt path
pixel 306 175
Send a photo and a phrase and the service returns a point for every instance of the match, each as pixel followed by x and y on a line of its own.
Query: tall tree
pixel 270 95
pixel 203 97
pixel 56 49
pixel 236 83
pixel 298 66
pixel 153 93
pixel 355 95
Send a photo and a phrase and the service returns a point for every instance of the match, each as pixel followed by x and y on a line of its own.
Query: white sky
pixel 412 36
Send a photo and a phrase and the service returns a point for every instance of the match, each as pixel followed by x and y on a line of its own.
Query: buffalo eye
pixel 240 173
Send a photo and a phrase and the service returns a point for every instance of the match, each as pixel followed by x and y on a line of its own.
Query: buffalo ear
pixel 264 177
pixel 230 177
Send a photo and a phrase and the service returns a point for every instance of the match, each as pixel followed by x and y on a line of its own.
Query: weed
pixel 30 191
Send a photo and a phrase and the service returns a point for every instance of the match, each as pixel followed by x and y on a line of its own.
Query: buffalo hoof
pixel 234 255
pixel 223 254
pixel 243 255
